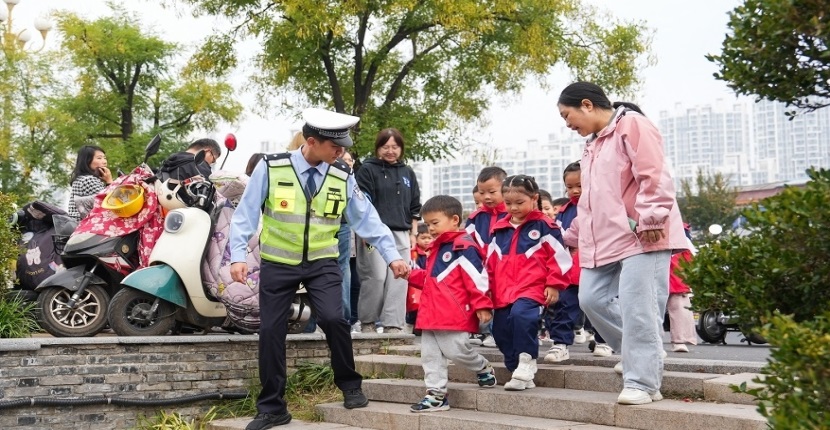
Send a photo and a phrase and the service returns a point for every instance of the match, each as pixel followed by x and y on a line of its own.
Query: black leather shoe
pixel 266 421
pixel 354 399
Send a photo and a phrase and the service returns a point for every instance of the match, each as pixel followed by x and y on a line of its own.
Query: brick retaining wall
pixel 139 368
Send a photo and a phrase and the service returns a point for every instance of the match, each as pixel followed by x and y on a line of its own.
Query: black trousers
pixel 277 286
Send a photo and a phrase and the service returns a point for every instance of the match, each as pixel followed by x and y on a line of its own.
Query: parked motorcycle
pixel 41 246
pixel 713 324
pixel 74 302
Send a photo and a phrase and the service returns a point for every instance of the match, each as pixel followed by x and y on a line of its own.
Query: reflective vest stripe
pixel 298 219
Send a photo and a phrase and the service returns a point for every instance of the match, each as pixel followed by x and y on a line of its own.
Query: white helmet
pixel 168 194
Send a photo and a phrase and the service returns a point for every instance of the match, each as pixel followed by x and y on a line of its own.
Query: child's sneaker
pixel 476 339
pixel 432 402
pixel 557 353
pixel 487 377
pixel 580 337
pixel 603 350
pixel 679 347
pixel 526 369
pixel 488 341
pixel 518 385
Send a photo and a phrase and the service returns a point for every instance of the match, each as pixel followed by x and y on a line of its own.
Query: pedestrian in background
pixel 681 318
pixel 393 189
pixel 90 176
pixel 627 225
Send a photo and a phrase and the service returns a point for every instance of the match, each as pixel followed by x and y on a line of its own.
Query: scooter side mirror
pixel 152 148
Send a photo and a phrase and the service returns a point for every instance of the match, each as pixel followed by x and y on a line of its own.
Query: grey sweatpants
pixel 382 297
pixel 439 346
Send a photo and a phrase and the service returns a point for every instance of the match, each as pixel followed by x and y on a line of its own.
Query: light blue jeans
pixel 633 322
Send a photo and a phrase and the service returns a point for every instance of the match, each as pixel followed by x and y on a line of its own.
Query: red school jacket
pixel 481 222
pixel 413 295
pixel 522 261
pixel 453 284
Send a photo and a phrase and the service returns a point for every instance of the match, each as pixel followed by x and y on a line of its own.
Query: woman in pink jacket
pixel 626 227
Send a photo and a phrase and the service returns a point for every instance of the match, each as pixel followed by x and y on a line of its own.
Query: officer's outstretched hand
pixel 400 269
pixel 239 271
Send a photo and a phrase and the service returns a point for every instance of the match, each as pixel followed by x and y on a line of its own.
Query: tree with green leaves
pixel 778 50
pixel 127 87
pixel 29 156
pixel 708 200
pixel 424 67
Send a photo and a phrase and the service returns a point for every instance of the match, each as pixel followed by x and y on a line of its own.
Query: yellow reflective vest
pixel 296 230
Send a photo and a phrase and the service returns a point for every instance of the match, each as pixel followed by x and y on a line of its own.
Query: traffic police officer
pixel 303 194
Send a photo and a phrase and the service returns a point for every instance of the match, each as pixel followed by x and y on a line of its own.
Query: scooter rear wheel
pixel 87 318
pixel 129 314
pixel 708 327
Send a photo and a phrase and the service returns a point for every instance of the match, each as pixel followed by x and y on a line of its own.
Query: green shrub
pixel 9 236
pixel 782 265
pixel 16 317
pixel 797 378
pixel 777 280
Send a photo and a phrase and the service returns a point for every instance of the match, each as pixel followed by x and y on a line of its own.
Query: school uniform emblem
pixel 447 257
pixel 534 234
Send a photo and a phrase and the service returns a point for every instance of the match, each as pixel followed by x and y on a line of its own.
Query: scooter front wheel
pixel 708 327
pixel 131 314
pixel 87 318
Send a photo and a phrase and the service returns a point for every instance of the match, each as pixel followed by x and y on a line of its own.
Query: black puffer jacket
pixel 394 191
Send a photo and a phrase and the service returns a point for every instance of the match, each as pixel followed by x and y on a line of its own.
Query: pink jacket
pixel 624 175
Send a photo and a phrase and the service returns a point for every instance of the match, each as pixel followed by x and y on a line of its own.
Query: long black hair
pixel 574 93
pixel 523 184
pixel 571 168
pixel 85 156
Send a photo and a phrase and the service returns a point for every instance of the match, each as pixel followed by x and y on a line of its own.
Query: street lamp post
pixel 14 45
pixel 15 41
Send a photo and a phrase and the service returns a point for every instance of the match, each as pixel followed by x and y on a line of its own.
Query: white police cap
pixel 330 125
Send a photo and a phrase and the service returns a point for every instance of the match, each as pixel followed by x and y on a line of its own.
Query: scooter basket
pixel 59 241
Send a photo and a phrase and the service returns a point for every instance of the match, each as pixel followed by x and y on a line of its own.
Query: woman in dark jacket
pixel 393 189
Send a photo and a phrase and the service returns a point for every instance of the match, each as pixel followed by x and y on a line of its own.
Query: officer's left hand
pixel 400 269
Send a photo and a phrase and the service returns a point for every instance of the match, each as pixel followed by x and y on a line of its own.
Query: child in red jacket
pixel 681 318
pixel 527 266
pixel 423 240
pixel 453 302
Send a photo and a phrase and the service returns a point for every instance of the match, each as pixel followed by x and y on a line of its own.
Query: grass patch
pixel 310 385
pixel 16 317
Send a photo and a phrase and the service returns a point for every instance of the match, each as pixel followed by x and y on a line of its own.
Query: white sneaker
pixel 580 337
pixel 618 368
pixel 590 337
pixel 679 347
pixel 633 396
pixel 518 385
pixel 489 341
pixel 526 369
pixel 557 353
pixel 408 329
pixel 663 353
pixel 356 327
pixel 379 330
pixel 603 350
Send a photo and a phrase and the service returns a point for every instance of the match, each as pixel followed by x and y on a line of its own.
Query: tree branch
pixel 104 136
pixel 359 89
pixel 336 91
pixel 396 84
pixel 179 122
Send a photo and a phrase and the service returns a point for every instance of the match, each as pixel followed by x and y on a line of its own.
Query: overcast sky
pixel 683 33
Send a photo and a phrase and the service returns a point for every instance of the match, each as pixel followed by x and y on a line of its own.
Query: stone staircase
pixel 578 394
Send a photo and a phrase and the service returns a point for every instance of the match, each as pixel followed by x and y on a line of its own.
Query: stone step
pixel 241 423
pixel 691 365
pixel 383 415
pixel 576 405
pixel 587 378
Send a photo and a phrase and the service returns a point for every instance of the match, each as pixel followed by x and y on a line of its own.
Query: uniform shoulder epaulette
pixel 463 242
pixel 277 159
pixel 341 165
pixel 277 156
